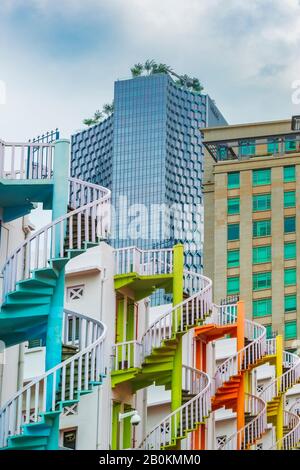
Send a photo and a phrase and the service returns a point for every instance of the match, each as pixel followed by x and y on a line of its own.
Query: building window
pixel 233 232
pixel 262 280
pixel 269 332
pixel 289 173
pixel 289 199
pixel 233 285
pixel 261 254
pixel 290 277
pixel 290 330
pixel 261 202
pixel 273 146
pixel 289 224
pixel 233 258
pixel 233 180
pixel 69 438
pixel 233 205
pixel 262 228
pixel 223 152
pixel 247 148
pixel 35 343
pixel 262 307
pixel 290 144
pixel 260 177
pixel 290 250
pixel 290 303
pixel 75 292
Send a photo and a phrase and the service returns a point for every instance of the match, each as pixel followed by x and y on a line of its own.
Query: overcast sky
pixel 59 58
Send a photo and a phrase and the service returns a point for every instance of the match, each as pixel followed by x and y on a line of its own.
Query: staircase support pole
pixel 59 208
pixel 199 436
pixel 279 371
pixel 241 392
pixel 176 391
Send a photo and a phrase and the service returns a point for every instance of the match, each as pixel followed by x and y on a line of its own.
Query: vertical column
pixel 240 342
pixel 246 240
pixel 177 298
pixel 199 436
pixel 130 332
pixel 120 330
pixel 279 371
pixel 298 247
pixel 115 434
pixel 59 208
pixel 219 234
pixel 277 251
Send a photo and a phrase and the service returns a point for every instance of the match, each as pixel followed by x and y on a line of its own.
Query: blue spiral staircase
pixel 33 287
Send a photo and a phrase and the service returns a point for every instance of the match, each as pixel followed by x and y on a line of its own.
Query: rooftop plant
pixel 150 67
pixel 99 116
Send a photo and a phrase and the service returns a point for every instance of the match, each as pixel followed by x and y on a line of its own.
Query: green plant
pixel 137 70
pixel 149 65
pixel 107 110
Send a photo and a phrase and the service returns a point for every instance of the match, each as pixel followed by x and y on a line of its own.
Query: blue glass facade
pixel 139 155
pixel 92 153
pixel 150 153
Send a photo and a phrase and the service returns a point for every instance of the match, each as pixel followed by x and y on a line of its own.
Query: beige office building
pixel 252 222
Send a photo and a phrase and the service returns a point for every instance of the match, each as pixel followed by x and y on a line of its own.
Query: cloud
pixel 59 58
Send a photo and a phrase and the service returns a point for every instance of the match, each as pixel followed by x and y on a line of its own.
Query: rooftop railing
pixel 250 147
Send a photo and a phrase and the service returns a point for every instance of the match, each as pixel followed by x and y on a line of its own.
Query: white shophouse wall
pixel 94 270
pixel 12 235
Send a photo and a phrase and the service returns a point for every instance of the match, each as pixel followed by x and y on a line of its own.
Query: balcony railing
pixel 245 148
pixel 127 355
pixel 31 160
pixel 143 262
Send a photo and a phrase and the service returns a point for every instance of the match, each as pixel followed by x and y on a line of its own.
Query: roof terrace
pixel 242 142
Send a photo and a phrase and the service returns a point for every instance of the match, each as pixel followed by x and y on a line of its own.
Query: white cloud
pixel 245 53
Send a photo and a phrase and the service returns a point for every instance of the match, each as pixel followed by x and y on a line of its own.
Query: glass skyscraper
pixel 150 154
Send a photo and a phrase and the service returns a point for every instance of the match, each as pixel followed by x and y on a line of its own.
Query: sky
pixel 60 58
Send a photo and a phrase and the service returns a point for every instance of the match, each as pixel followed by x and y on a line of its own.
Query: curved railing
pixel 236 363
pixel 252 431
pixel 66 380
pixel 183 316
pixel 289 378
pixel 88 221
pixel 179 422
pixel 244 358
pixel 223 314
pixel 177 320
pixel 292 437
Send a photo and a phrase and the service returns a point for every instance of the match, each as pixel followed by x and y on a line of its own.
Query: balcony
pixel 26 177
pixel 276 145
pixel 127 355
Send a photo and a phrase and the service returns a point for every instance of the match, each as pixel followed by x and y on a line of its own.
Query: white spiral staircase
pixel 278 387
pixel 28 413
pixel 255 407
pixel 29 281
